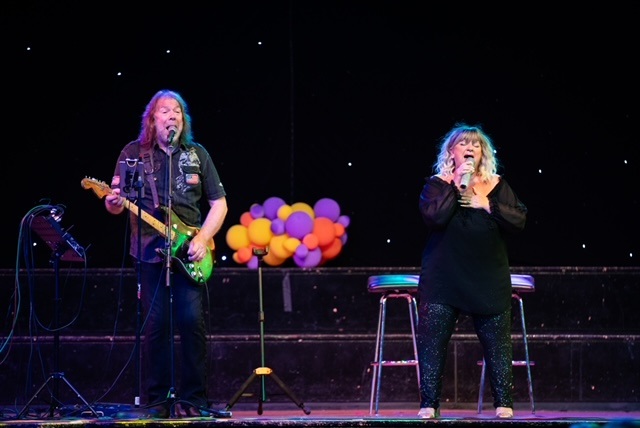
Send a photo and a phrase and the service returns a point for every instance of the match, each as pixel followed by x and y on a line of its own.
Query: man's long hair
pixel 147 134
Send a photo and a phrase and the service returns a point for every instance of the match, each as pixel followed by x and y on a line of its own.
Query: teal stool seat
pixel 392 287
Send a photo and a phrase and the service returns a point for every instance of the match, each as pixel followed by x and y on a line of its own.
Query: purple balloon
pixel 271 206
pixel 277 226
pixel 256 211
pixel 344 220
pixel 301 251
pixel 313 259
pixel 327 207
pixel 253 262
pixel 299 224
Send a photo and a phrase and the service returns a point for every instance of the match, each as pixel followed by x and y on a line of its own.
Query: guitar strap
pixel 147 158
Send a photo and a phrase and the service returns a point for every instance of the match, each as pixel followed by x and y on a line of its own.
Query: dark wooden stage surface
pixel 336 415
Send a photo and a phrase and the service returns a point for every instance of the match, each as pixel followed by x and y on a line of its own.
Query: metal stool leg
pixel 379 361
pixel 526 352
pixel 527 362
pixel 377 365
pixel 481 392
pixel 413 316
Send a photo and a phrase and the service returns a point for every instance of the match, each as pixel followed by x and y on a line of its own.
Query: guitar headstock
pixel 100 188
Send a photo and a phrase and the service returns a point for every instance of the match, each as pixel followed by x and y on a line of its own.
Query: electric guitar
pixel 181 235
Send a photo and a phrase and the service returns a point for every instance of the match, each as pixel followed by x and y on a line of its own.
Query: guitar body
pixel 181 234
pixel 199 271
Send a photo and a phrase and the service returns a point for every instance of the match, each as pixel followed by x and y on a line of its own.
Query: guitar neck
pixel 148 218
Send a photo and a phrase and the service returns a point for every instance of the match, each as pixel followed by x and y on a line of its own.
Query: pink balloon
pixel 327 207
pixel 271 206
pixel 298 224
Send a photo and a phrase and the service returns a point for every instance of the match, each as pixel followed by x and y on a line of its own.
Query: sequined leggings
pixel 435 327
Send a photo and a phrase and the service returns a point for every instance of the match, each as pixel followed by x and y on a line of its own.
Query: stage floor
pixel 331 415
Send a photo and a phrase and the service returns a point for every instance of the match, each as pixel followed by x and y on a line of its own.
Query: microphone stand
pixel 263 371
pixel 171 395
pixel 128 183
pixel 138 355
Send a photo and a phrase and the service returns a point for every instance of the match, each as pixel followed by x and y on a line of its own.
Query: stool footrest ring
pixel 395 363
pixel 514 362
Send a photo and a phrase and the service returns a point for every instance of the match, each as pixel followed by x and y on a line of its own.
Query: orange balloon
pixel 246 218
pixel 311 241
pixel 324 230
pixel 243 255
pixel 332 250
pixel 339 228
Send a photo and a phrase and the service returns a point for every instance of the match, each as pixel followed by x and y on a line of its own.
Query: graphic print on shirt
pixel 189 164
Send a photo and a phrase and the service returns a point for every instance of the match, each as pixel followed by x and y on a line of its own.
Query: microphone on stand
pixel 172 134
pixel 466 178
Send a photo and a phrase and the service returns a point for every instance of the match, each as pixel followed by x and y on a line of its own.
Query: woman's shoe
pixel 504 412
pixel 428 413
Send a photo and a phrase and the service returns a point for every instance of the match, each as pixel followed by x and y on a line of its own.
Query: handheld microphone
pixel 466 178
pixel 172 134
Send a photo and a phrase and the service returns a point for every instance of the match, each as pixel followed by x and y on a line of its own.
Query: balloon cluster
pixel 309 235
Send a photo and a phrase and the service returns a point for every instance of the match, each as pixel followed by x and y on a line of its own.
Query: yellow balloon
pixel 302 206
pixel 237 237
pixel 291 244
pixel 272 260
pixel 284 212
pixel 278 248
pixel 259 232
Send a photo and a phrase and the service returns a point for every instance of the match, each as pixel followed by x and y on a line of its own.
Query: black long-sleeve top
pixel 465 262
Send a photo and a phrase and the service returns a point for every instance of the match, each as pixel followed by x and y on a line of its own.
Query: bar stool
pixel 519 284
pixel 392 286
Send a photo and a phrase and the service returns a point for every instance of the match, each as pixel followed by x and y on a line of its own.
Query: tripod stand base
pixel 262 372
pixel 56 377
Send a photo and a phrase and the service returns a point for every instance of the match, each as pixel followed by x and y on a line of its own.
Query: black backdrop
pixel 339 99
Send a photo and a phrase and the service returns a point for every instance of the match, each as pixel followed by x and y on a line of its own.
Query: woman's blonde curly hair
pixel 444 164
